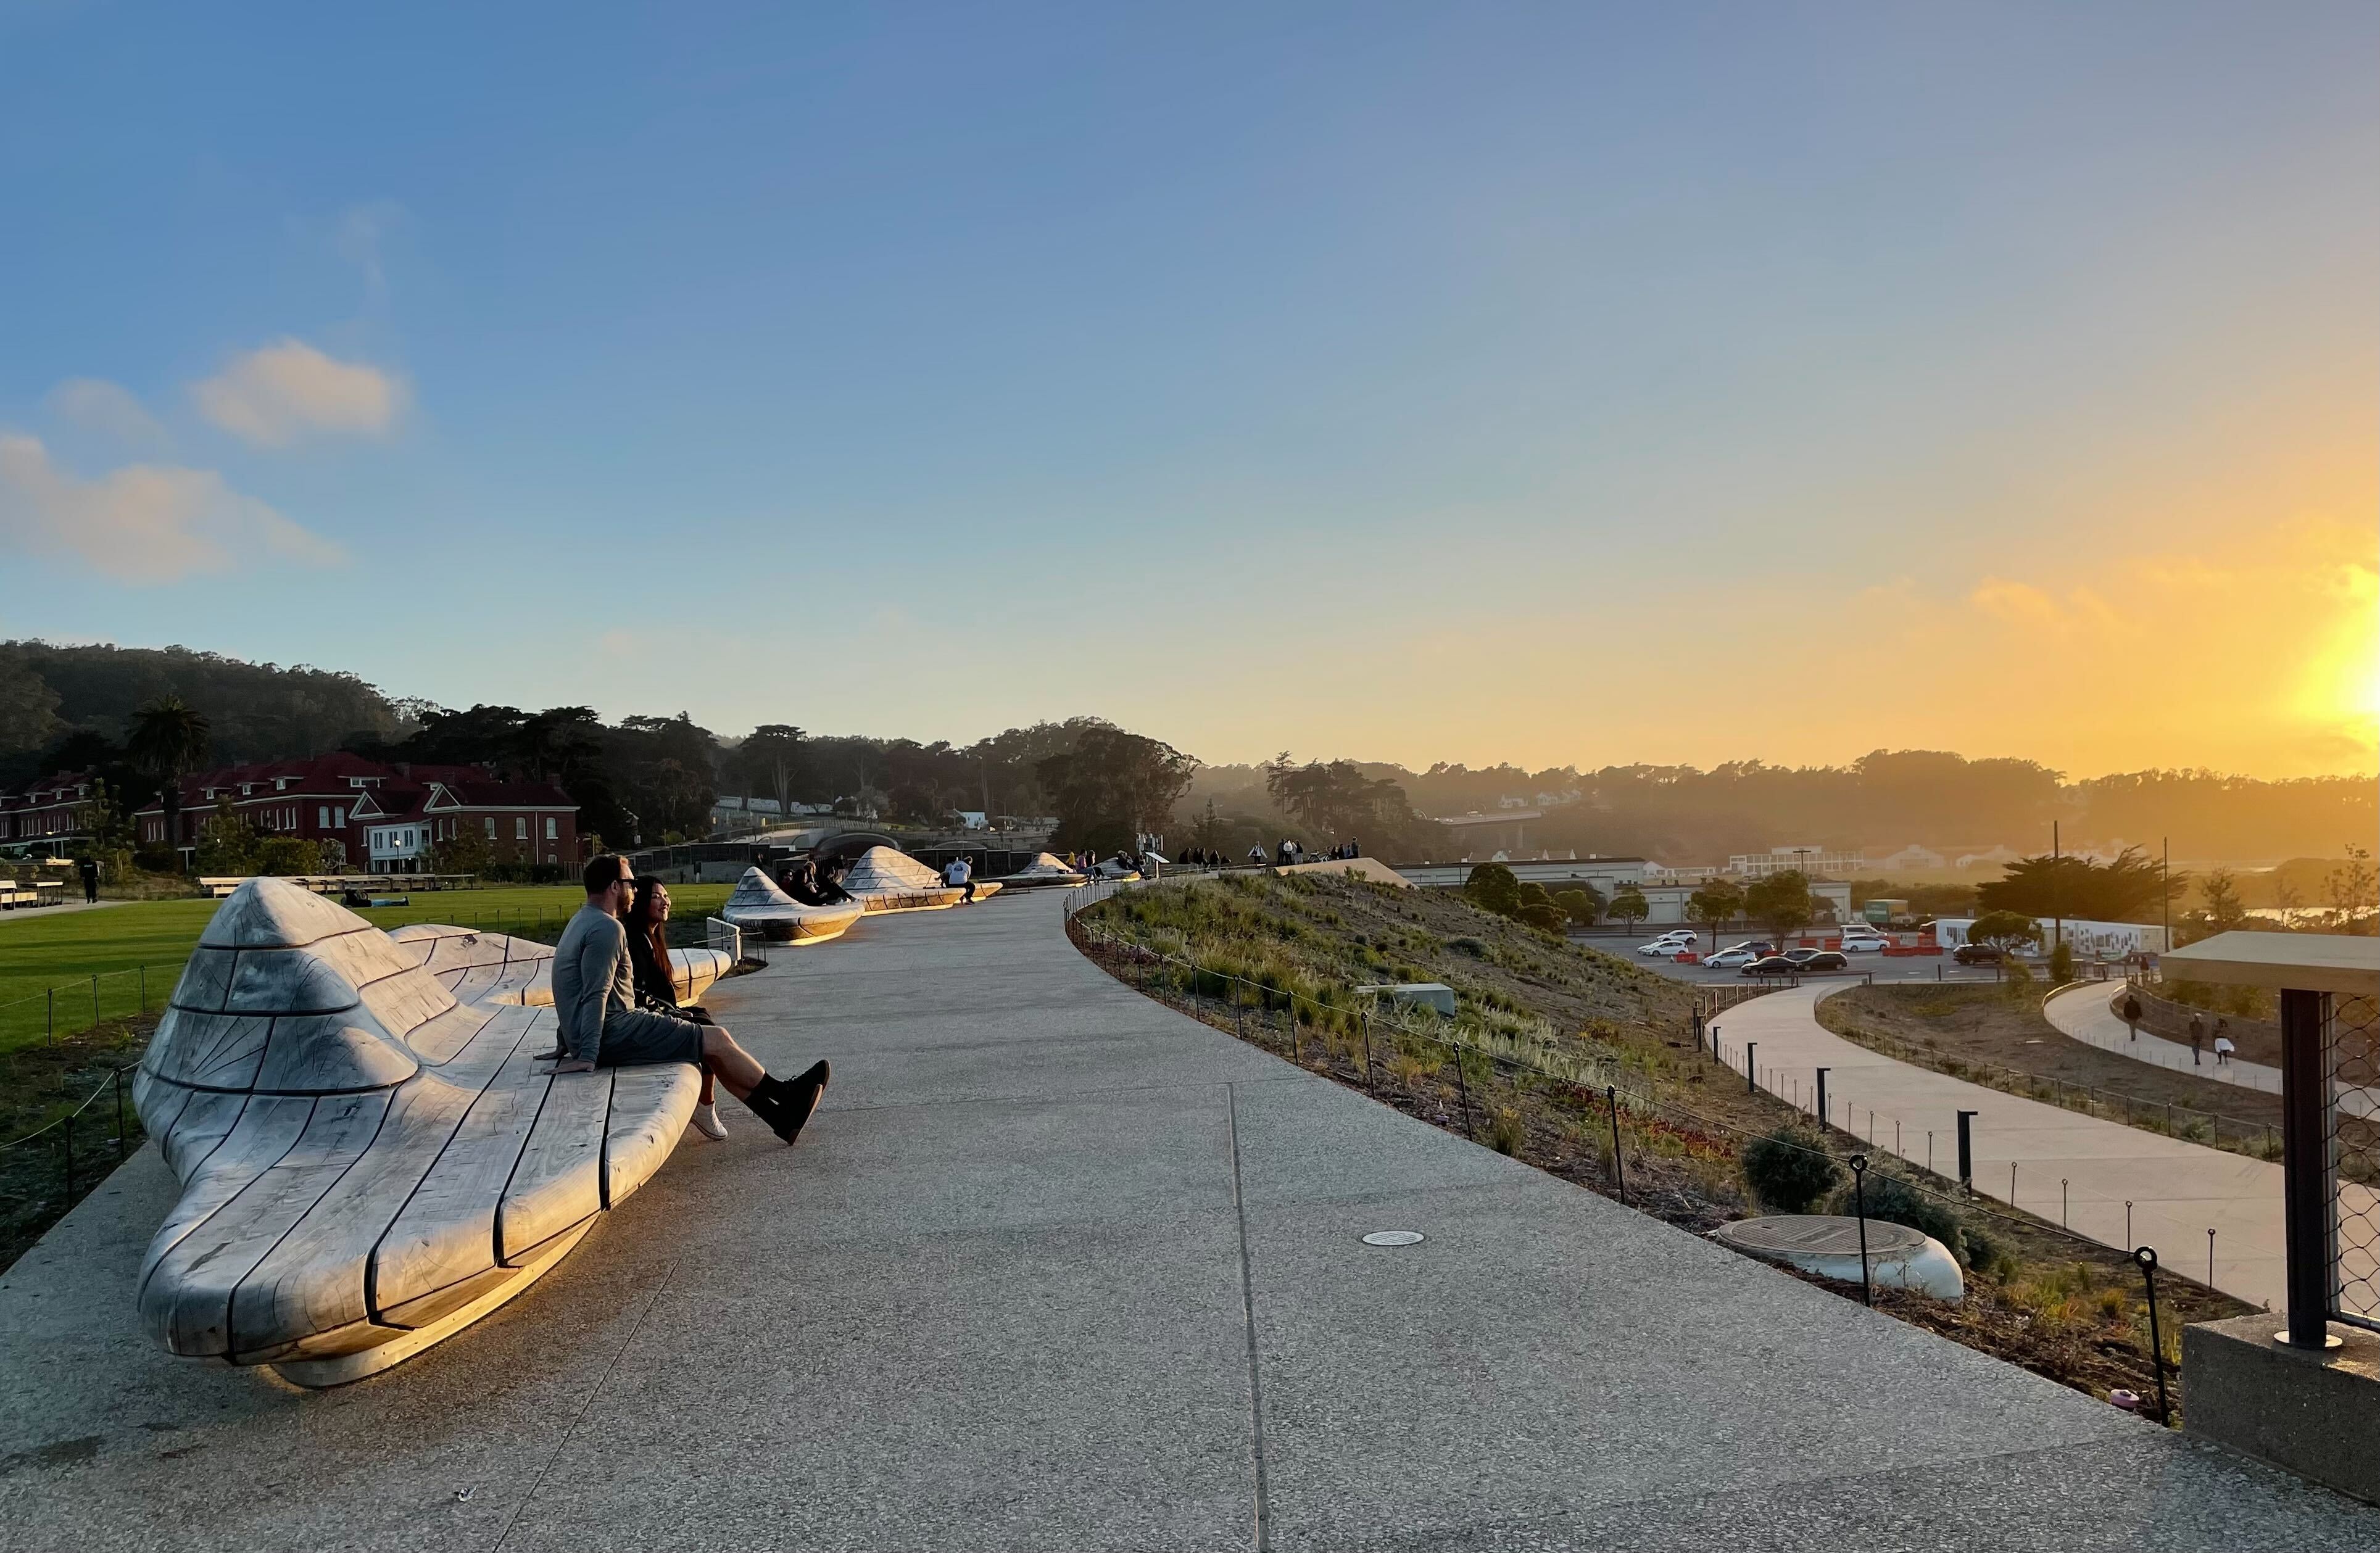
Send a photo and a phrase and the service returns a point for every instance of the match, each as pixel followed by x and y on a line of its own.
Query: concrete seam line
pixel 1249 1324
pixel 593 1392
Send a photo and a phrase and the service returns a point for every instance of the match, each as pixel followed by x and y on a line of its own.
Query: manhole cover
pixel 1393 1237
pixel 1819 1235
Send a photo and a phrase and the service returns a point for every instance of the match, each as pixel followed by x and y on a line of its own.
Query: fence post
pixel 1859 1202
pixel 1463 1090
pixel 2147 1258
pixel 2308 1184
pixel 117 1080
pixel 1618 1171
pixel 1364 1021
pixel 1750 1085
pixel 94 1002
pixel 69 1141
pixel 50 1004
pixel 1823 1118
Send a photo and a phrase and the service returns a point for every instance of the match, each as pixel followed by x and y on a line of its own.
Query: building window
pixel 491 827
pixel 550 832
pixel 520 828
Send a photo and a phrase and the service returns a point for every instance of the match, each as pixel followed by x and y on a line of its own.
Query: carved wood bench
pixel 371 1158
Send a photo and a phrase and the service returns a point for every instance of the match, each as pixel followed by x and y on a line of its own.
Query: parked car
pixel 1979 954
pixel 1773 964
pixel 1803 956
pixel 1866 943
pixel 1666 945
pixel 1729 959
pixel 1825 960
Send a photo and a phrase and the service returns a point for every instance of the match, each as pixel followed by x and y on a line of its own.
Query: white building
pixel 1911 858
pixel 1814 862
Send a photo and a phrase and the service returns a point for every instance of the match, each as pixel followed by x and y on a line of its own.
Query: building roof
pixel 2299 961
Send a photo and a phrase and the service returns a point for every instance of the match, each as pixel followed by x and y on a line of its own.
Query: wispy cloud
pixel 97 405
pixel 276 396
pixel 144 523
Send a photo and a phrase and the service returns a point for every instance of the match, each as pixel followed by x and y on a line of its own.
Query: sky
pixel 1554 383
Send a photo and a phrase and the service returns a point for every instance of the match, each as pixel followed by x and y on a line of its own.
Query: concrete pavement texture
pixel 1056 1267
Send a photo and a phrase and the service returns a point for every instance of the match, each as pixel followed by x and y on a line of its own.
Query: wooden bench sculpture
pixel 1047 870
pixel 758 905
pixel 371 1154
pixel 886 880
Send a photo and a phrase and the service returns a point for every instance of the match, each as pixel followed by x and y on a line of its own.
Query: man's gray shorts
pixel 633 1036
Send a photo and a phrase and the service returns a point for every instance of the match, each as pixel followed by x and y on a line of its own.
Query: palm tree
pixel 168 740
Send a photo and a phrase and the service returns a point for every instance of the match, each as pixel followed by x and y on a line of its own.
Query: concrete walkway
pixel 2086 1012
pixel 1059 1269
pixel 2069 1168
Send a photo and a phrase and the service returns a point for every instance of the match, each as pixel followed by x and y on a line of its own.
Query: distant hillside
pixel 260 711
pixel 1890 798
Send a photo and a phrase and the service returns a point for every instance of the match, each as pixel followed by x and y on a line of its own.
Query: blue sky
pixel 1403 381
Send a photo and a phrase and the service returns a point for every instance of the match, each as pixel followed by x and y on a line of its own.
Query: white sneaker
pixel 707 1123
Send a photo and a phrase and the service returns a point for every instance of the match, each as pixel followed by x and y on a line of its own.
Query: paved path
pixel 61 908
pixel 2178 1190
pixel 2085 1014
pixel 1059 1268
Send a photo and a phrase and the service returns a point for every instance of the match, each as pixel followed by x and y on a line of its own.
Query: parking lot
pixel 1884 967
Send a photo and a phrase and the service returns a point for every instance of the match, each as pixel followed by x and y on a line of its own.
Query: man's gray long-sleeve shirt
pixel 591 979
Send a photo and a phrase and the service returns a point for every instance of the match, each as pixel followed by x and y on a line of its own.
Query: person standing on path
pixel 2197 1038
pixel 90 871
pixel 2133 1013
pixel 595 1005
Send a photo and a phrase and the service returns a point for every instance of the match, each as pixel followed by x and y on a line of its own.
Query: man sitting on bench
pixel 595 1000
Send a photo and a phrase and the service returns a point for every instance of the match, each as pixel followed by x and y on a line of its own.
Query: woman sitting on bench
pixel 649 959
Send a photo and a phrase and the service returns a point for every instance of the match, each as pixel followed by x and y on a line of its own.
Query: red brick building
pixel 399 821
pixel 46 815
pixel 385 817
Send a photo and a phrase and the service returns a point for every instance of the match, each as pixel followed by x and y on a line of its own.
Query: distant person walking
pixel 2133 1013
pixel 2197 1040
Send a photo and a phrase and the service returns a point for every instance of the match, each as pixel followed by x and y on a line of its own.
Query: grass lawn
pixel 64 950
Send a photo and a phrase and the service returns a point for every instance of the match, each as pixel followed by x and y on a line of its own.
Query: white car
pixel 1731 959
pixel 1864 943
pixel 1667 943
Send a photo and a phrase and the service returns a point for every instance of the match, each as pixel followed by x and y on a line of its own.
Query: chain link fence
pixel 2352 1151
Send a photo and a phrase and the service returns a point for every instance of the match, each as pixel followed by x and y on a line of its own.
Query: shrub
pixel 1789 1170
pixel 1475 948
pixel 1897 1202
pixel 287 855
pixel 2061 964
pixel 1505 1133
pixel 1543 915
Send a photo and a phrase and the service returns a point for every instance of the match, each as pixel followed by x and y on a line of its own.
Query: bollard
pixel 2210 1258
pixel 1618 1172
pixel 1966 1150
pixel 2061 1205
pixel 1823 1118
pixel 2147 1258
pixel 1859 1202
pixel 1750 1085
pixel 2128 1221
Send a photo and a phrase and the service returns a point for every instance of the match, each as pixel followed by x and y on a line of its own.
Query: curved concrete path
pixel 2086 1011
pixel 1059 1268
